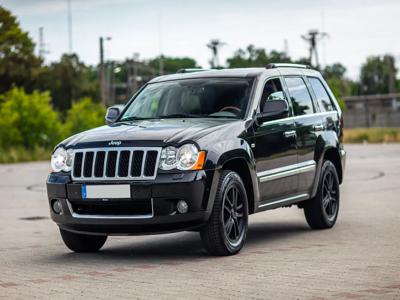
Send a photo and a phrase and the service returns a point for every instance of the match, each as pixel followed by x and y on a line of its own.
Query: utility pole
pixel 161 59
pixel 214 45
pixel 286 47
pixel 69 27
pixel 312 38
pixel 102 73
pixel 42 44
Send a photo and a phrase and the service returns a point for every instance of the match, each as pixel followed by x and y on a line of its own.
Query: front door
pixel 275 150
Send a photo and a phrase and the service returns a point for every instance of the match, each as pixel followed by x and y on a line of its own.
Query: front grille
pixel 115 164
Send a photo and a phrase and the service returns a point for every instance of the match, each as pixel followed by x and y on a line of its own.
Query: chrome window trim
pixel 297 197
pixel 286 171
pixel 107 150
pixel 298 117
pixel 110 217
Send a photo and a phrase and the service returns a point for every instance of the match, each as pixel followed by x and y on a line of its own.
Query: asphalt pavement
pixel 282 259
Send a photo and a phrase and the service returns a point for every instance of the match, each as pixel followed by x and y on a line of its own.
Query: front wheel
pixel 322 211
pixel 82 242
pixel 226 230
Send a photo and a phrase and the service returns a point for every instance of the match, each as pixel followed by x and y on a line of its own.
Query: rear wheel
pixel 226 230
pixel 82 242
pixel 322 211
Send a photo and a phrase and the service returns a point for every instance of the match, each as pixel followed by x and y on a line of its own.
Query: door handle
pixel 318 127
pixel 289 133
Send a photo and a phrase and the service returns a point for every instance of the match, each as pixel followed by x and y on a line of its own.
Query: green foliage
pixel 27 120
pixel 378 75
pixel 18 64
pixel 68 80
pixel 20 154
pixel 256 57
pixel 173 64
pixel 339 84
pixel 83 115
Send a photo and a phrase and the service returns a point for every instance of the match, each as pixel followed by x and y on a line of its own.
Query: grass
pixel 372 135
pixel 20 154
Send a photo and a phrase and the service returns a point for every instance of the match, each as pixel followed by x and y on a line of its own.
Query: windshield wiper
pixel 128 119
pixel 180 116
pixel 226 117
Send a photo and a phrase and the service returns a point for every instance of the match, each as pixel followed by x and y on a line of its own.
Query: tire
pixel 226 230
pixel 82 242
pixel 321 212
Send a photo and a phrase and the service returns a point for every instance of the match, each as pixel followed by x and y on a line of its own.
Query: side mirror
pixel 113 113
pixel 273 110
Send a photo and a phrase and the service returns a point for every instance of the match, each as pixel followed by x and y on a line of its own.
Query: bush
pixel 20 154
pixel 83 115
pixel 27 120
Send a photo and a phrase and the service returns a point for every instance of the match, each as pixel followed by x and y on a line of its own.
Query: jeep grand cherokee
pixel 202 151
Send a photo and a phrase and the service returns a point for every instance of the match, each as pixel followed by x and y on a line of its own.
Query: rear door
pixel 308 126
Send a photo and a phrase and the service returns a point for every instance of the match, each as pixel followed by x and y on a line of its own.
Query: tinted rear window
pixel 299 95
pixel 324 101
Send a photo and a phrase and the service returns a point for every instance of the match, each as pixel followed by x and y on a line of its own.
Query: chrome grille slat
pixel 130 162
pixel 105 164
pixel 94 163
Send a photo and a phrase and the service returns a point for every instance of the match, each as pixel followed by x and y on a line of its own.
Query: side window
pixel 299 95
pixel 324 101
pixel 272 91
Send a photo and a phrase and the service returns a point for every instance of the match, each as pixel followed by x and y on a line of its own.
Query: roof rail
pixel 192 70
pixel 274 65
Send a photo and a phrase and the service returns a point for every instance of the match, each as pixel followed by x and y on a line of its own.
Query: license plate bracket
pixel 106 192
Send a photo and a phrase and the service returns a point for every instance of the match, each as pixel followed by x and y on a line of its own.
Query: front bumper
pixel 159 196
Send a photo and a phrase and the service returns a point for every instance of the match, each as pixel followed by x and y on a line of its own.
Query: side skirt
pixel 282 202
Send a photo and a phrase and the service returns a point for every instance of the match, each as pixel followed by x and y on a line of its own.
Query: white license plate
pixel 112 191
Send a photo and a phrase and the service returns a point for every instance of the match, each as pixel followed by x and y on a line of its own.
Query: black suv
pixel 202 151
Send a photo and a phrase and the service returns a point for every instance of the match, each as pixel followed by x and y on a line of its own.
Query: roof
pixel 238 72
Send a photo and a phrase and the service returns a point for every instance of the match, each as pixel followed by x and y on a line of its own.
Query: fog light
pixel 182 207
pixel 57 208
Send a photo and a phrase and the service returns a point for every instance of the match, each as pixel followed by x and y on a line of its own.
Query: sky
pixel 356 28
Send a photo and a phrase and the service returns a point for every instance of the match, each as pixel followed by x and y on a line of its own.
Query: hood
pixel 154 132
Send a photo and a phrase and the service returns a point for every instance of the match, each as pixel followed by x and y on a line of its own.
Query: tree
pixel 18 64
pixel 69 80
pixel 173 64
pixel 335 70
pixel 83 115
pixel 378 75
pixel 339 84
pixel 27 120
pixel 256 57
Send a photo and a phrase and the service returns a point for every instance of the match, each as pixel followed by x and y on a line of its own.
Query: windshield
pixel 191 98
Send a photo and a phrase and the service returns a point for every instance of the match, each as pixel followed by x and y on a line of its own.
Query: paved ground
pixel 283 259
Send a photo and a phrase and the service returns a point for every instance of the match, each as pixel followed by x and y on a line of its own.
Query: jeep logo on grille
pixel 114 143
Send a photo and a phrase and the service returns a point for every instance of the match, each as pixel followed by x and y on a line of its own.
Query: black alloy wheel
pixel 321 212
pixel 233 214
pixel 226 230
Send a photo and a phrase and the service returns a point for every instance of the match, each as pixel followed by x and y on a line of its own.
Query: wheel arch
pixel 331 153
pixel 241 167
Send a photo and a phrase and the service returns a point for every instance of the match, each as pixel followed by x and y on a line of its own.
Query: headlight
pixel 168 158
pixel 61 160
pixel 186 157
